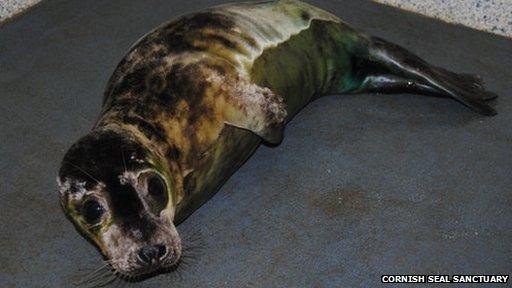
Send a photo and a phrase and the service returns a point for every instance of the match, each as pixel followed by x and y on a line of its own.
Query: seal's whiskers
pixel 99 276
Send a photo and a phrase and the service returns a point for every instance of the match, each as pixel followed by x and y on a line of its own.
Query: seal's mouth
pixel 147 271
pixel 153 260
pixel 138 261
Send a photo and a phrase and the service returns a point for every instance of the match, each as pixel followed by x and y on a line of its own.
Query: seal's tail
pixel 387 67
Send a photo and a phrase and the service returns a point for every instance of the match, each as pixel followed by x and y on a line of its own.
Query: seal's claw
pixel 274 135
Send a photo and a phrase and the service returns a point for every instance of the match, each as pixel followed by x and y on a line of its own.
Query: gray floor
pixel 361 186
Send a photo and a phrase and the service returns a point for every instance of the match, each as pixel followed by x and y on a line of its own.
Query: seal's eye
pixel 157 193
pixel 92 211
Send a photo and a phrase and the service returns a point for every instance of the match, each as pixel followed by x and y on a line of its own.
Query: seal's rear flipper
pixel 391 68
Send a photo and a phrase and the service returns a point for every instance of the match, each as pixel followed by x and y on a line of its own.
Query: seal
pixel 194 98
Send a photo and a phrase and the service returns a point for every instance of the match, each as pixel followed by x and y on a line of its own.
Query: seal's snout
pixel 151 255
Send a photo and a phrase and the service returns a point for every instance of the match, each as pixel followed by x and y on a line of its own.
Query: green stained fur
pixel 315 62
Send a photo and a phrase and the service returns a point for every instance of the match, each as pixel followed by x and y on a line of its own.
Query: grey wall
pixel 493 16
pixel 9 8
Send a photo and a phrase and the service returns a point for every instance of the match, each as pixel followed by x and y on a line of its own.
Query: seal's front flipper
pixel 256 109
pixel 391 59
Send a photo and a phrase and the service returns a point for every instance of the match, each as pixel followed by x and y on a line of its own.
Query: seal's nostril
pixel 162 251
pixel 148 254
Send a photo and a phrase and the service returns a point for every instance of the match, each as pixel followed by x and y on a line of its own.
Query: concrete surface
pixel 493 16
pixel 362 185
pixel 9 8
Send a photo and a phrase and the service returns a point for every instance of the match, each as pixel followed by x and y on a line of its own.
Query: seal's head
pixel 119 195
